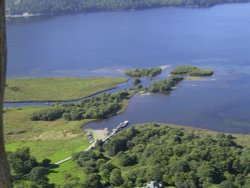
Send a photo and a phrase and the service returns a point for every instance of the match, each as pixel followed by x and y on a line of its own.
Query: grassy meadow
pixel 69 168
pixel 56 89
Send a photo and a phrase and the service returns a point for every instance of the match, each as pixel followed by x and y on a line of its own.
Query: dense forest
pixel 171 156
pixel 61 6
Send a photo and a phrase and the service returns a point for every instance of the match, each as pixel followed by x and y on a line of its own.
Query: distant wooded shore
pixel 28 8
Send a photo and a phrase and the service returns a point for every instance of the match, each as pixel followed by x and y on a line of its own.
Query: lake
pixel 106 43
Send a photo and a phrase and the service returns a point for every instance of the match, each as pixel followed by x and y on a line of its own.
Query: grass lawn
pixel 18 119
pixel 70 167
pixel 56 89
pixel 55 150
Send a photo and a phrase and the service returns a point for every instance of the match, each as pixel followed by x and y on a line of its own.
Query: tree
pixel 227 184
pixel 116 145
pixel 126 160
pixel 38 176
pixel 106 169
pixel 21 161
pixel 116 178
pixel 5 180
pixel 93 181
pixel 206 173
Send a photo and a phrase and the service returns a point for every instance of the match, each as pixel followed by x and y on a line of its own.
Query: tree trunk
pixel 5 181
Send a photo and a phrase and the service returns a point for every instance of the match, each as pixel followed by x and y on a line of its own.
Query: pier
pixel 116 130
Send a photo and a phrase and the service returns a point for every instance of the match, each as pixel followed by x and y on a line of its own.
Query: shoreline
pixel 124 107
pixel 24 15
pixel 9 17
pixel 241 139
pixel 186 127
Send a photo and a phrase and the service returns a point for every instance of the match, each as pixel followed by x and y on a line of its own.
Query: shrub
pixel 48 114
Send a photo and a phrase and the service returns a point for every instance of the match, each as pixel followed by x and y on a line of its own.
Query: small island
pixel 191 71
pixel 177 75
pixel 150 72
pixel 165 86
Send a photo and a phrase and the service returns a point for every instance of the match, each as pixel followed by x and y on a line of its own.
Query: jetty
pixel 116 130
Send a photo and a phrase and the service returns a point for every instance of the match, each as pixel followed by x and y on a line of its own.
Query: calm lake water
pixel 105 43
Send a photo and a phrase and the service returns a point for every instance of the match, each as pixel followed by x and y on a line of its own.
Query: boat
pixel 120 127
pixel 124 124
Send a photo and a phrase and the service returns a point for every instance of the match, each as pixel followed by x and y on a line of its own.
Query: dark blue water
pixel 104 44
pixel 220 106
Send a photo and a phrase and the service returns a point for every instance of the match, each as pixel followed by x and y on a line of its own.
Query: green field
pixel 18 119
pixel 68 168
pixel 56 89
pixel 55 140
pixel 44 138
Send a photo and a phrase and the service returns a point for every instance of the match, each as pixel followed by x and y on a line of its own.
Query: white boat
pixel 124 124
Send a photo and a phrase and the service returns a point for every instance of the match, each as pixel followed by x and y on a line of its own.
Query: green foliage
pixel 192 71
pixel 172 156
pixel 227 184
pixel 90 161
pixel 127 160
pixel 116 178
pixel 20 184
pixel 93 181
pixel 70 181
pixel 59 6
pixel 49 114
pixel 38 176
pixel 116 145
pixel 165 86
pixel 21 162
pixel 99 107
pixel 144 72
pixel 27 171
